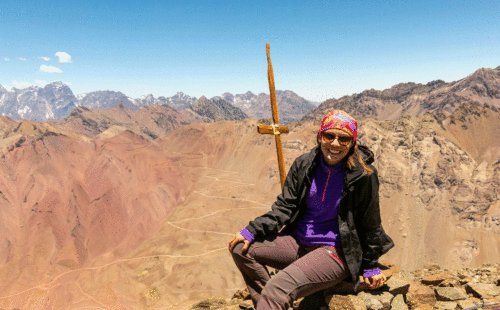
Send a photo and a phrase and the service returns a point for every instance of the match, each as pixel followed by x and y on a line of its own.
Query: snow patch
pixel 21 112
pixel 81 96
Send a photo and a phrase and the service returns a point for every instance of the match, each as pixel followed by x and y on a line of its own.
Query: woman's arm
pixel 371 233
pixel 281 210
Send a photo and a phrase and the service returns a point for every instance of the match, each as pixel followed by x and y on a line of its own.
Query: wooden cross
pixel 275 128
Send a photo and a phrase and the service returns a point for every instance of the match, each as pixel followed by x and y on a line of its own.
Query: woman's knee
pixel 237 250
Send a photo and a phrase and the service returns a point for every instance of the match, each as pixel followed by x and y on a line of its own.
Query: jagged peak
pixel 57 83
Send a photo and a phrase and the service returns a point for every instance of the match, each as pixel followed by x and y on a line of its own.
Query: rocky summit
pixel 424 289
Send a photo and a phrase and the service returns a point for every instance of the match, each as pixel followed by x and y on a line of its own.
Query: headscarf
pixel 338 119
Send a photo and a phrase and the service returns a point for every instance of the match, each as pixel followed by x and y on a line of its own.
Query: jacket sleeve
pixel 281 210
pixel 371 234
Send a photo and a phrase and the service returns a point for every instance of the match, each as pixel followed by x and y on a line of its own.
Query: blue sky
pixel 319 49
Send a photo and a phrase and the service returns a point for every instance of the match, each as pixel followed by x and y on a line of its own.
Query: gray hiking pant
pixel 304 270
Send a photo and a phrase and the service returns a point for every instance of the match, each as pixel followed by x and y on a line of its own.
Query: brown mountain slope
pixel 416 99
pixel 150 122
pixel 66 202
pixel 477 129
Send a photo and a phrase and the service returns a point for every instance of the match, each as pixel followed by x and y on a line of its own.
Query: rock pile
pixel 423 289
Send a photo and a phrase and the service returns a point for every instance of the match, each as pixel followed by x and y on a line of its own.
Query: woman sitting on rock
pixel 329 209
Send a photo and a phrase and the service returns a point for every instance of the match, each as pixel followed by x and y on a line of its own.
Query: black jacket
pixel 361 233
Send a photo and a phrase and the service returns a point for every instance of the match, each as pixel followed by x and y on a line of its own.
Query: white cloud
pixel 7 59
pixel 63 57
pixel 23 59
pixel 46 58
pixel 50 69
pixel 21 84
pixel 41 83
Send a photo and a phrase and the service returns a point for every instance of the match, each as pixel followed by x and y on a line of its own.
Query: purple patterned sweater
pixel 320 223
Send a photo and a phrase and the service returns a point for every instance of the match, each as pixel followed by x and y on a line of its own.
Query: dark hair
pixel 349 160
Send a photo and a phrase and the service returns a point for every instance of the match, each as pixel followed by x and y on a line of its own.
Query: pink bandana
pixel 339 119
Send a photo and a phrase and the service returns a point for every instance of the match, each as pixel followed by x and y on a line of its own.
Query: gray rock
pixel 375 299
pixel 398 303
pixel 210 303
pixel 481 290
pixel 349 302
pixel 357 302
pixel 449 294
pixel 397 286
pixel 467 303
pixel 445 305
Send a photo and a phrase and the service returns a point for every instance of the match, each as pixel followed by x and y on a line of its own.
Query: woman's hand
pixel 375 281
pixel 237 239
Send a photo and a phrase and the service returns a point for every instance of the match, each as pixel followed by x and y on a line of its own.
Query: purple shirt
pixel 320 224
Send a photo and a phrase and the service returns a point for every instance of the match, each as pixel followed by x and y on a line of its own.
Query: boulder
pixel 481 290
pixel 349 302
pixel 436 279
pixel 398 303
pixel 445 305
pixel 242 294
pixel 449 294
pixel 467 303
pixel 419 294
pixel 384 298
pixel 397 286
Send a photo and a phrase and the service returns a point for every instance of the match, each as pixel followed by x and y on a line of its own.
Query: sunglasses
pixel 343 140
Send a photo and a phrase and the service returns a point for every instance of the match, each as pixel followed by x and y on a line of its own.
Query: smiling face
pixel 334 152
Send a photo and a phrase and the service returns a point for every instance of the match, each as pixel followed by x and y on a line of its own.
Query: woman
pixel 324 227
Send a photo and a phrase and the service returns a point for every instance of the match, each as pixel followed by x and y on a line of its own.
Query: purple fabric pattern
pixel 247 235
pixel 320 225
pixel 371 272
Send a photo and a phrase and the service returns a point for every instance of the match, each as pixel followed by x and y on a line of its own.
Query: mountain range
pixel 57 101
pixel 121 208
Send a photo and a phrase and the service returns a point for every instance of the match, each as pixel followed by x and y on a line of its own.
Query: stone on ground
pixel 397 286
pixel 481 290
pixel 449 294
pixel 445 305
pixel 398 303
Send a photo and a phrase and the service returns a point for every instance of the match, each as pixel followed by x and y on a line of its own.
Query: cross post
pixel 274 129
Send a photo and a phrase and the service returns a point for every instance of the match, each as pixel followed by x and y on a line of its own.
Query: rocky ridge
pixel 291 106
pixel 217 110
pixel 424 289
pixel 150 122
pixel 416 99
